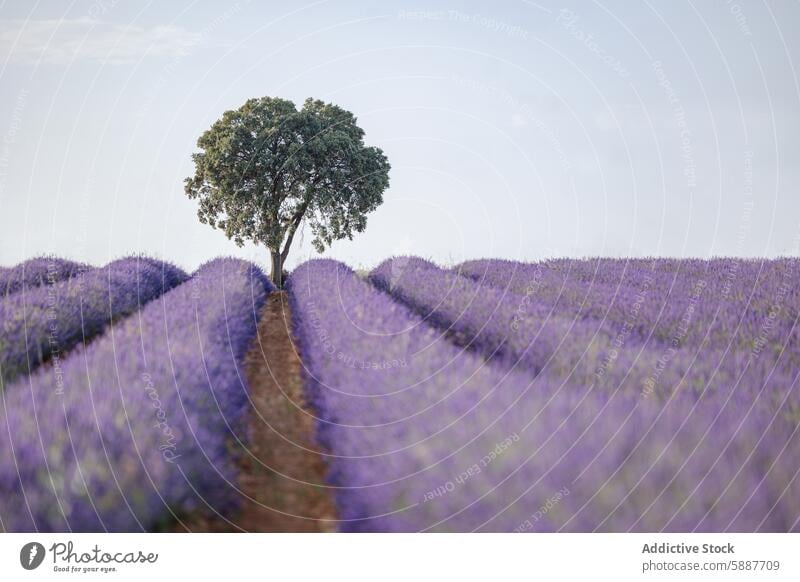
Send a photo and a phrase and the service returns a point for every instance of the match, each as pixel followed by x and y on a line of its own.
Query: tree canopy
pixel 266 168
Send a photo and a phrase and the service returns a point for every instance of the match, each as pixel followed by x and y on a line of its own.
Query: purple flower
pixel 138 427
pixel 47 321
pixel 38 271
pixel 658 421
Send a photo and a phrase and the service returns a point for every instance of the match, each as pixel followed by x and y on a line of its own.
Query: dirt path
pixel 285 475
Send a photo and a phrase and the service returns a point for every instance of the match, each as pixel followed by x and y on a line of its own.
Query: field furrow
pixel 281 469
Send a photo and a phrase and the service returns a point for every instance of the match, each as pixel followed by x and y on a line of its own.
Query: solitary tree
pixel 267 167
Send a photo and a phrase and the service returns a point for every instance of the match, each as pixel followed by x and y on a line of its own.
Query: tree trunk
pixel 277 268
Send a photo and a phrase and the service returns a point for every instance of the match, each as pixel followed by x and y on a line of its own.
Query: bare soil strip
pixel 284 472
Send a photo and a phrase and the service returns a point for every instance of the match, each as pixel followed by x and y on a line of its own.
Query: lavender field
pixel 566 395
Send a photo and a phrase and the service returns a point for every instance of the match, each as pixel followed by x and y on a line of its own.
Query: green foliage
pixel 267 167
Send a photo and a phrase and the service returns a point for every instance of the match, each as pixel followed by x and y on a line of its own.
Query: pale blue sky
pixel 515 129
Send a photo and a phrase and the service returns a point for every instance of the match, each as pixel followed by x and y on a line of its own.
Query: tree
pixel 267 167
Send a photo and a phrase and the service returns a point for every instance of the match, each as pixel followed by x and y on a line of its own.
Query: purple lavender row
pixel 579 288
pixel 556 274
pixel 499 324
pixel 713 314
pixel 707 335
pixel 136 429
pixel 658 274
pixel 727 302
pixel 38 271
pixel 424 435
pixel 606 271
pixel 46 322
pixel 582 342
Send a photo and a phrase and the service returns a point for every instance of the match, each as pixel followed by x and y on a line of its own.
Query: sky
pixel 515 129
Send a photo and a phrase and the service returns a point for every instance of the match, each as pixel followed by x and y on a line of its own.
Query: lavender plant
pixel 50 320
pixel 425 435
pixel 135 430
pixel 727 300
pixel 37 271
pixel 497 323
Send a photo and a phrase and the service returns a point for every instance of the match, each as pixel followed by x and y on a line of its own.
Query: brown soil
pixel 282 476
